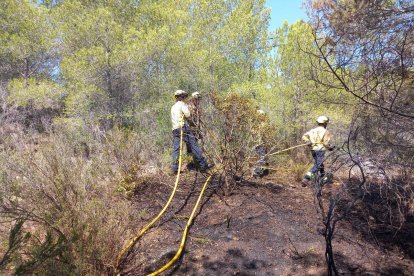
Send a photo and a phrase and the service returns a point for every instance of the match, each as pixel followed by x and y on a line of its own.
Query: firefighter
pixel 195 120
pixel 318 140
pixel 180 113
pixel 194 123
pixel 262 164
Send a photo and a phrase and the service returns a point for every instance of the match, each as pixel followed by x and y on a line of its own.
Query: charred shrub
pixel 238 129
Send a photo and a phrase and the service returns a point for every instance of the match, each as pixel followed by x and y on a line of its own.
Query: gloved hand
pixel 309 144
pixel 331 147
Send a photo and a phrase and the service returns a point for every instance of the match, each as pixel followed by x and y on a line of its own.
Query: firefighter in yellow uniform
pixel 180 113
pixel 318 140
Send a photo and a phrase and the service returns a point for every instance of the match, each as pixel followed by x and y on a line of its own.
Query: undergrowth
pixel 62 213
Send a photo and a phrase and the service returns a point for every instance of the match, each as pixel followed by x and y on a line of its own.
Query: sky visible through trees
pixel 290 11
pixel 76 142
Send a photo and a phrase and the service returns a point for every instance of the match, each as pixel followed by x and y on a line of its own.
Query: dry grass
pixel 74 217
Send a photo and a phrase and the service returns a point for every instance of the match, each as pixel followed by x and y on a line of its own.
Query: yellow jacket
pixel 319 137
pixel 179 111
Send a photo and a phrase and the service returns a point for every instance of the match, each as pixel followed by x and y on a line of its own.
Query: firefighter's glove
pixel 309 144
pixel 331 147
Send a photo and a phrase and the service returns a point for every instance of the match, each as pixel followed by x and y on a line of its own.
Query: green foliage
pixel 25 31
pixel 26 38
pixel 34 93
pixel 109 68
pixel 292 96
pixel 131 56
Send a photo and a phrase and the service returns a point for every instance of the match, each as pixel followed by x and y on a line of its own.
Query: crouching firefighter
pixel 318 141
pixel 180 112
pixel 261 167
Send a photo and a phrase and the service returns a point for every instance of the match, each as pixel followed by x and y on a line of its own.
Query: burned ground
pixel 266 227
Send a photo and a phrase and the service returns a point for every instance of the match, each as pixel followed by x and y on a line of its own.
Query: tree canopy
pixel 86 88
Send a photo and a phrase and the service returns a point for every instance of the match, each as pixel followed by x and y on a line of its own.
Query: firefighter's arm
pixel 306 139
pixel 326 141
pixel 186 111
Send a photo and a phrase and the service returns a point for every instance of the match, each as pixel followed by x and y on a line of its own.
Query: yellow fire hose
pixel 148 226
pixel 269 154
pixel 184 238
pixel 277 152
pixel 189 222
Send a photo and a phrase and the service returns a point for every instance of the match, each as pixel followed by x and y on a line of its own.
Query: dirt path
pixel 265 228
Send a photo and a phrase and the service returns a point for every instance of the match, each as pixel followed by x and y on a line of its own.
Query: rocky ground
pixel 267 227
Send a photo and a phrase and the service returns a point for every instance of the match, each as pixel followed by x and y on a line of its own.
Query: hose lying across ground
pixel 184 238
pixel 189 222
pixel 148 226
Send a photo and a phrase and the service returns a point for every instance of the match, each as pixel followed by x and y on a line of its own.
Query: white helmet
pixel 261 112
pixel 322 120
pixel 180 92
pixel 196 95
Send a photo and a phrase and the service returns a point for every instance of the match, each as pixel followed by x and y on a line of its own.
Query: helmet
pixel 261 112
pixel 180 92
pixel 196 95
pixel 322 120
